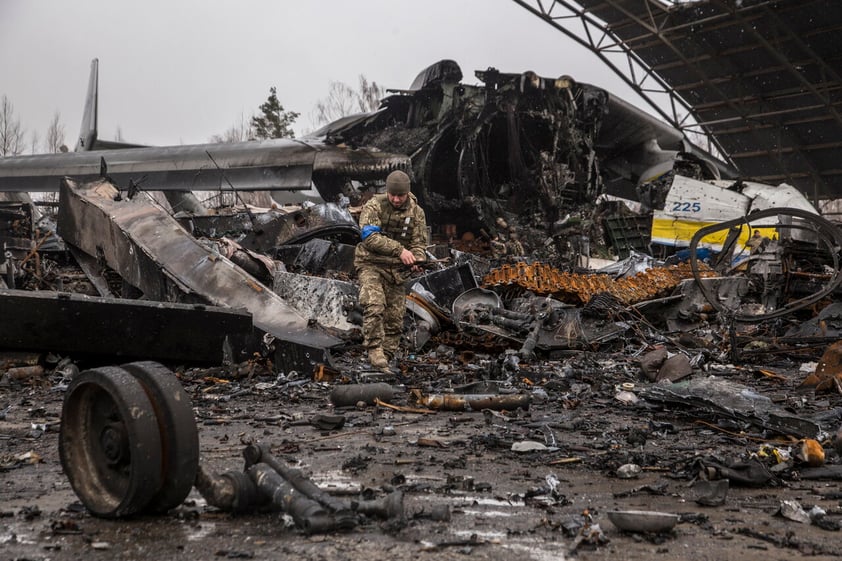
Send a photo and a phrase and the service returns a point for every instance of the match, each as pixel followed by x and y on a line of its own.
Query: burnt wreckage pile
pixel 515 176
pixel 512 158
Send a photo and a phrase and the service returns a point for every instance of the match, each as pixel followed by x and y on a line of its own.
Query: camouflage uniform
pixel 386 232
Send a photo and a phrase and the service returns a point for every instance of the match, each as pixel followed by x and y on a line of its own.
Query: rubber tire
pixel 179 435
pixel 110 393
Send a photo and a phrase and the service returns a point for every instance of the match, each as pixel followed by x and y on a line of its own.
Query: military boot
pixel 377 358
pixel 390 347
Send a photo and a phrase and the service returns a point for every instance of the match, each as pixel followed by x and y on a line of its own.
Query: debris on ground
pixel 670 366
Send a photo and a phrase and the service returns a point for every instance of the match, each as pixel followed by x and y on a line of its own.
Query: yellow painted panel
pixel 675 232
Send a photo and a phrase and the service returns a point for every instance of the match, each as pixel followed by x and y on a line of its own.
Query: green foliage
pixel 273 121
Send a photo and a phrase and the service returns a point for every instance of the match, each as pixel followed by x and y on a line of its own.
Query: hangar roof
pixel 763 78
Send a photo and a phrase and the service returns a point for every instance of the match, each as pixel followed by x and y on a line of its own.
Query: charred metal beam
pixel 92 270
pixel 129 329
pixel 151 251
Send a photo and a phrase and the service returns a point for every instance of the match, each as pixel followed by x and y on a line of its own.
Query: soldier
pixel 515 247
pixel 394 239
pixel 498 248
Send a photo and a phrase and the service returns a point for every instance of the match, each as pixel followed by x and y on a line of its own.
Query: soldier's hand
pixel 407 257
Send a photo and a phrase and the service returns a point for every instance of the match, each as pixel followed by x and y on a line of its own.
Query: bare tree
pixel 118 134
pixel 370 94
pixel 11 133
pixel 34 142
pixel 55 134
pixel 343 100
pixel 238 132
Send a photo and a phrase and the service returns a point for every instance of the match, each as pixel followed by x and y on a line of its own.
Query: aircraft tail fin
pixel 88 135
pixel 88 131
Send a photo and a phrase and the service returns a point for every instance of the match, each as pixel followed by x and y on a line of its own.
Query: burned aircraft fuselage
pixel 520 147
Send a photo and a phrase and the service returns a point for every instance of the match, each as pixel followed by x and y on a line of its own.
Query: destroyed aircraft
pixel 274 165
pixel 520 154
pixel 520 170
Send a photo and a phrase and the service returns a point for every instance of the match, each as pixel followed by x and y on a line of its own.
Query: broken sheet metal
pixel 328 302
pixel 430 298
pixel 690 309
pixel 827 324
pixel 691 204
pixel 318 257
pixel 441 288
pixel 152 252
pixel 539 322
pixel 578 289
pixel 88 325
pixel 275 228
pixel 716 397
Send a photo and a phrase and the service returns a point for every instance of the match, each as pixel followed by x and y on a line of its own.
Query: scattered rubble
pixel 566 360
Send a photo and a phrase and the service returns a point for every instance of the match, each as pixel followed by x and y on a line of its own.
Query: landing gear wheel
pixel 110 442
pixel 177 427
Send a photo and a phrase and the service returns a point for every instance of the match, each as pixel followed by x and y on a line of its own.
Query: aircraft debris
pixel 472 402
pixel 716 290
pixel 154 254
pixel 94 326
pixel 367 394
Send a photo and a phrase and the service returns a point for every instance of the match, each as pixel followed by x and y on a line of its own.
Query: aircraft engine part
pixel 572 288
pixel 233 491
pixel 472 302
pixel 829 238
pixel 389 507
pixel 128 440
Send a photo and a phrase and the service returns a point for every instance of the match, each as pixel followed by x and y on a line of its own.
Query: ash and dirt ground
pixel 472 470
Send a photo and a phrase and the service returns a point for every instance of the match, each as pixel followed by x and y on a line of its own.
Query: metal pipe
pixel 233 491
pixel 389 507
pixel 259 453
pixel 307 513
pixel 349 395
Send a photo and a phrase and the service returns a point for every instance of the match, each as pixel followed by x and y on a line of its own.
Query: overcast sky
pixel 178 72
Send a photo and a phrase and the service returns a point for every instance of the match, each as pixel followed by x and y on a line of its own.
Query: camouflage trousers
pixel 384 303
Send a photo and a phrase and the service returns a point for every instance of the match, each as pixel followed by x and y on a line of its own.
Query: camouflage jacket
pixel 386 231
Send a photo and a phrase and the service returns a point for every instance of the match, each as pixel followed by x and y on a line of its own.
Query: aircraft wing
pixel 639 141
pixel 258 165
